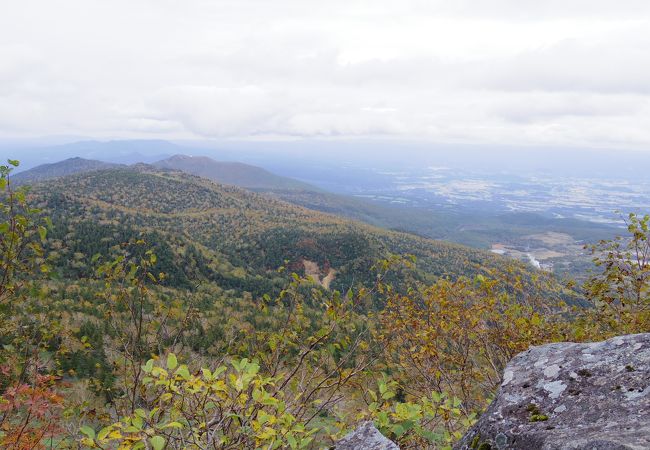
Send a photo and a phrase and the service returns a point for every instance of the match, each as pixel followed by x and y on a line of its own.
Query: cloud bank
pixel 496 71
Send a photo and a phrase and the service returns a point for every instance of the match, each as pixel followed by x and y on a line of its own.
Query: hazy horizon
pixel 359 152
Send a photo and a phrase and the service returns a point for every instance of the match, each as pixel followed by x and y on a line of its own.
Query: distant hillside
pixel 60 169
pixel 516 232
pixel 232 173
pixel 396 217
pixel 474 229
pixel 205 231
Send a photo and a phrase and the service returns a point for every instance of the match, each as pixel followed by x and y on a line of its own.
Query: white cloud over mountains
pixel 572 72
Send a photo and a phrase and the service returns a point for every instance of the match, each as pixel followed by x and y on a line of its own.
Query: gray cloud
pixel 555 72
pixel 620 64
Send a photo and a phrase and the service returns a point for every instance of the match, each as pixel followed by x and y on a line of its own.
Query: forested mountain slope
pixel 226 234
pixel 517 231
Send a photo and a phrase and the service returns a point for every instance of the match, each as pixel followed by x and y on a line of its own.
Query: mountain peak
pixel 63 168
pixel 233 173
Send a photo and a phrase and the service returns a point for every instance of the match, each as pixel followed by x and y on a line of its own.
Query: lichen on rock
pixel 571 396
pixel 365 437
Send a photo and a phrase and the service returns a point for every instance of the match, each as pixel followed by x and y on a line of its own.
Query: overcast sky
pixel 565 72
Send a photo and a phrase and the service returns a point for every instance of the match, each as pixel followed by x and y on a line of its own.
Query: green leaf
pixel 137 422
pixel 88 431
pixel 15 163
pixel 157 442
pixel 104 432
pixel 431 436
pixel 183 372
pixel 172 362
pixel 42 232
pixel 148 367
pixel 399 430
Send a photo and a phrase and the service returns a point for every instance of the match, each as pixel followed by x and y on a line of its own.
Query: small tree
pixel 30 408
pixel 230 407
pixel 456 336
pixel 140 323
pixel 620 293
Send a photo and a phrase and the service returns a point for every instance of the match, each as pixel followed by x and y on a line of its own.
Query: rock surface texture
pixel 571 396
pixel 365 437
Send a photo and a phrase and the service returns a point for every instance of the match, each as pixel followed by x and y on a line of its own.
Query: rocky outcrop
pixel 571 396
pixel 365 437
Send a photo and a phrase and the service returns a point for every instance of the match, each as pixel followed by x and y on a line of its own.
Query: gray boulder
pixel 571 396
pixel 365 437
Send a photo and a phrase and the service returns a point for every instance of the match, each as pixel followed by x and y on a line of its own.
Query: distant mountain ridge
pixel 59 169
pixel 232 173
pixel 113 151
pixel 222 172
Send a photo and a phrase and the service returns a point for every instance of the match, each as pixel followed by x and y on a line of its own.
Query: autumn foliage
pixel 122 358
